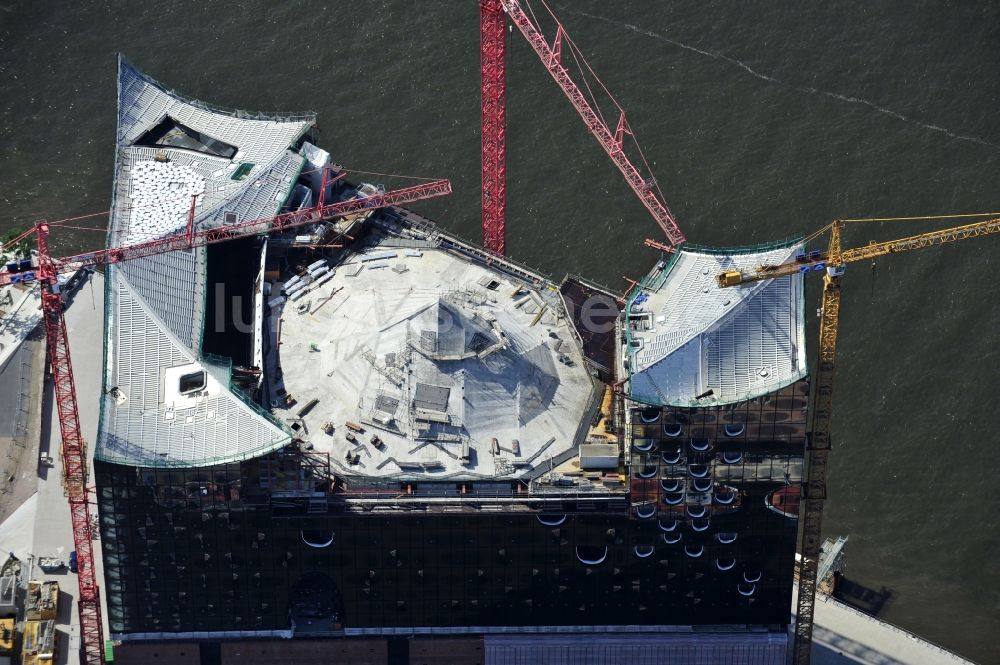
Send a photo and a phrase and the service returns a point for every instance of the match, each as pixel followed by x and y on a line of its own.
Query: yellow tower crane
pixel 832 264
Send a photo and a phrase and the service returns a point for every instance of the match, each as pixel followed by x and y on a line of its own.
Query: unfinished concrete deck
pixel 437 355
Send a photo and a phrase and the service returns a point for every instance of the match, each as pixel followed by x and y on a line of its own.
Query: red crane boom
pixel 73 446
pixel 492 53
pixel 198 238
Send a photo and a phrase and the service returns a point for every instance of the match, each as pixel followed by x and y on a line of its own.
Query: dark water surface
pixel 762 120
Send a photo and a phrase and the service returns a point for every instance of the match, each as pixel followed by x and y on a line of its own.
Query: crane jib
pixel 184 240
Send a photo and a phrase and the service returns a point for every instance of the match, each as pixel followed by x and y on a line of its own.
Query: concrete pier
pixel 39 524
pixel 842 635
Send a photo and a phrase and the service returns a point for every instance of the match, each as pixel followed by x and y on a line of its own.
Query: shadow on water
pixel 864 599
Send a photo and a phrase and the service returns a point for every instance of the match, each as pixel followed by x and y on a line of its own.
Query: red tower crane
pixel 73 450
pixel 73 445
pixel 198 238
pixel 493 70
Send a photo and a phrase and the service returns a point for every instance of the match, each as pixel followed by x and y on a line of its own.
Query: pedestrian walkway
pixel 843 635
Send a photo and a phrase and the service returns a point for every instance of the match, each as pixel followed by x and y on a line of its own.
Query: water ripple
pixel 849 99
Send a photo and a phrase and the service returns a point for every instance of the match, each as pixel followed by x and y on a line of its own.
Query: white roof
pixel 155 305
pixel 154 197
pixel 687 335
pixel 449 361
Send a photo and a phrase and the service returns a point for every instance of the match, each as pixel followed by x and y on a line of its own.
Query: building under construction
pixel 368 427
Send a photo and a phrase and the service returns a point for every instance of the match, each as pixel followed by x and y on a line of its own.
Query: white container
pixel 315 274
pixel 325 278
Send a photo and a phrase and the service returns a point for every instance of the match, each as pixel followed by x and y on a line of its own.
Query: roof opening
pixel 230 328
pixel 192 382
pixel 171 134
pixel 242 171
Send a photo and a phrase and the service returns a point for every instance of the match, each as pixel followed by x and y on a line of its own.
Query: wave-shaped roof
pixel 688 336
pixel 240 166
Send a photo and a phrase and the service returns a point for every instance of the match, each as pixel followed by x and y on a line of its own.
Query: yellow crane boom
pixel 837 257
pixel 832 263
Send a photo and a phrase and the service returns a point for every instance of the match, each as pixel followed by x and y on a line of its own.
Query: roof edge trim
pixel 283 116
pixel 784 243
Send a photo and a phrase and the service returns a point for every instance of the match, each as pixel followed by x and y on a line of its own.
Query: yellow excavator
pixel 832 264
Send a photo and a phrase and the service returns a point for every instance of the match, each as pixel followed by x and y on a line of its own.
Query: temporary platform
pixel 38 642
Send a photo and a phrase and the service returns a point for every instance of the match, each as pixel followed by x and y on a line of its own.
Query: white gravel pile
pixel 161 198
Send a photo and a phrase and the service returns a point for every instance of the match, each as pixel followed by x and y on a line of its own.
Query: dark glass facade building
pixel 220 555
pixel 490 460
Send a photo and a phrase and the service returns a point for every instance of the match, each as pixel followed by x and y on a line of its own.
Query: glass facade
pixel 218 549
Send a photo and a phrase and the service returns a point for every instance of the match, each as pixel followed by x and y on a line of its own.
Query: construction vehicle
pixel 832 263
pixel 39 642
pixel 7 635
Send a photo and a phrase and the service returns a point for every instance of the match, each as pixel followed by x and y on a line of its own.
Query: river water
pixel 761 120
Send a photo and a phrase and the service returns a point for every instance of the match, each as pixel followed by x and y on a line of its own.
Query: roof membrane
pixel 155 305
pixel 687 336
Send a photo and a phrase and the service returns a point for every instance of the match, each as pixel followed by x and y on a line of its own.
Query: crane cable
pixel 575 51
pixel 914 218
pixel 922 217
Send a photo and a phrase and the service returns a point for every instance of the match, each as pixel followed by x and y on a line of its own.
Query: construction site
pixel 325 420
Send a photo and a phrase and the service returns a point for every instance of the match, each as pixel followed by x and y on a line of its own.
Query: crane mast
pixel 493 64
pixel 817 454
pixel 832 263
pixel 73 450
pixel 492 70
